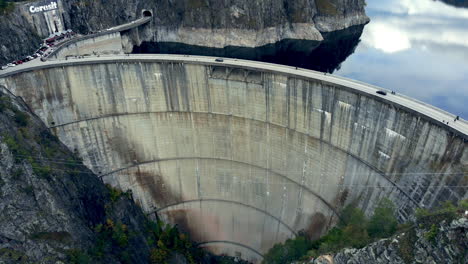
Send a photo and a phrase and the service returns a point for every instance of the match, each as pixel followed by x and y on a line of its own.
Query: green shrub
pixel 4 102
pixel 383 223
pixel 42 171
pixel 159 256
pixel 291 250
pixel 14 144
pixel 112 237
pixel 21 118
pixel 5 7
pixel 351 231
pixel 463 204
pixel 432 234
pixel 114 193
pixel 76 256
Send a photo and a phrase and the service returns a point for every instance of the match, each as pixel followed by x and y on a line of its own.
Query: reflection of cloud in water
pixel 427 8
pixel 418 48
pixel 398 26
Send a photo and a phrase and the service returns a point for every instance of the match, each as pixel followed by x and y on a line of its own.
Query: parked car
pixel 4 67
pixel 219 60
pixel 11 65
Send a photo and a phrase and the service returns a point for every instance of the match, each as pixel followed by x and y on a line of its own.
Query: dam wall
pixel 244 155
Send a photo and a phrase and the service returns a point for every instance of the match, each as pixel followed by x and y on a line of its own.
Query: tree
pixel 383 223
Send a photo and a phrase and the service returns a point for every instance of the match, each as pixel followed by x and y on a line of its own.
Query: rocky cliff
pixel 50 203
pixel 209 23
pixel 445 242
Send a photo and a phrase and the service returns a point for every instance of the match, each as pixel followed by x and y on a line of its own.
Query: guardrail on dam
pixel 241 154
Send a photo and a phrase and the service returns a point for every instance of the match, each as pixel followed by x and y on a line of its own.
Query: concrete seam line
pixel 225 201
pixel 201 158
pixel 381 173
pixel 231 242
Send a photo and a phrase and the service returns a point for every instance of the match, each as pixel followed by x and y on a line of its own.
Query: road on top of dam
pixel 438 115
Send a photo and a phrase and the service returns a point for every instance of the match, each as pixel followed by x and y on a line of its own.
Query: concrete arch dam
pixel 241 154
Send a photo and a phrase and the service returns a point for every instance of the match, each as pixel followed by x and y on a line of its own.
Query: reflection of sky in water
pixel 418 48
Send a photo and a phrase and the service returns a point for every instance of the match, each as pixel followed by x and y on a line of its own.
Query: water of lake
pixel 415 47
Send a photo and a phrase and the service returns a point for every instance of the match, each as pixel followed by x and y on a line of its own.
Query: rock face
pixel 49 202
pixel 18 37
pixel 210 23
pixel 448 245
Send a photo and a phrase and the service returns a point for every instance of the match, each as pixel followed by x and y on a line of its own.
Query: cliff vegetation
pixel 352 240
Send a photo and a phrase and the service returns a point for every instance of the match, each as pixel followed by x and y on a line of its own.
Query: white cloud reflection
pixel 401 25
pixel 415 47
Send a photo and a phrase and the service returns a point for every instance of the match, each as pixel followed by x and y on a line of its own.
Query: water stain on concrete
pixel 153 184
pixel 317 225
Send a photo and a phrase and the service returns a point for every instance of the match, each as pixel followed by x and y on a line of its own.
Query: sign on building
pixel 44 6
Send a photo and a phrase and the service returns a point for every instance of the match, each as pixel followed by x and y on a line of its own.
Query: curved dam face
pixel 244 155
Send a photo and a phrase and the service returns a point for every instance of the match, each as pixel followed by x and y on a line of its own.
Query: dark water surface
pixel 415 47
pixel 323 56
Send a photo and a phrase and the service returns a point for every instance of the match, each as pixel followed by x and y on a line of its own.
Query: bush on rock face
pixel 383 223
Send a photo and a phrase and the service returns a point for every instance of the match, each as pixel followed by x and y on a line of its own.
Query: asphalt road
pixel 438 115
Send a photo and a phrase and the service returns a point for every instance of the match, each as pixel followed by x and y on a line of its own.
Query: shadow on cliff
pixel 324 56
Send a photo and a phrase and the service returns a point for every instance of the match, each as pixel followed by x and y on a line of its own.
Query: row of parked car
pixel 44 49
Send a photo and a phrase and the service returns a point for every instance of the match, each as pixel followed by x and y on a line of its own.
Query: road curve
pixel 119 28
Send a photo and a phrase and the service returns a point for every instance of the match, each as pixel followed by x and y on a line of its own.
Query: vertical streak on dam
pixel 243 158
